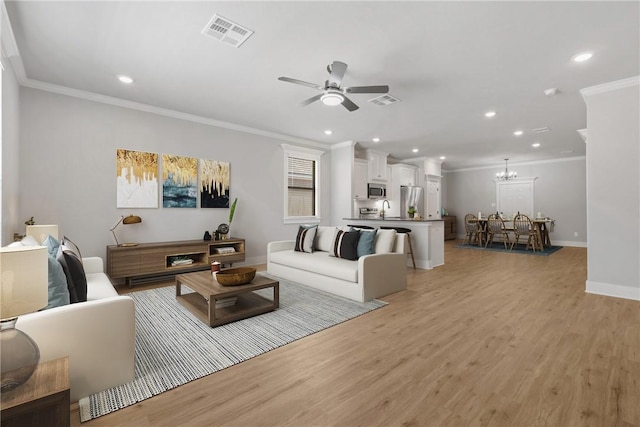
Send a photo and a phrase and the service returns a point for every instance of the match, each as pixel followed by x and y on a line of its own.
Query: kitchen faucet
pixel 388 205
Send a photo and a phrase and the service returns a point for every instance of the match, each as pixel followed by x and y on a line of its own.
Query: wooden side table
pixel 44 400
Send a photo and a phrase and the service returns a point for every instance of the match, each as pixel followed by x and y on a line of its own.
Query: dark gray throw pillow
pixel 73 270
pixel 305 238
pixel 345 245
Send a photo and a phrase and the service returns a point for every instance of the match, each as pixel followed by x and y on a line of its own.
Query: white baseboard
pixel 611 290
pixel 569 243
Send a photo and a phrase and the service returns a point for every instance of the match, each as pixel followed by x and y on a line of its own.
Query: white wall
pixel 12 222
pixel 67 152
pixel 613 176
pixel 560 193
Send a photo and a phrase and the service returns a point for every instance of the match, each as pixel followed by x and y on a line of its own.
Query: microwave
pixel 376 191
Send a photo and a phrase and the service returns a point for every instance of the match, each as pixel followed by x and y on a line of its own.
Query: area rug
pixel 173 347
pixel 517 249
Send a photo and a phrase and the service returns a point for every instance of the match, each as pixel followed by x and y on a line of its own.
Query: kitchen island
pixel 427 237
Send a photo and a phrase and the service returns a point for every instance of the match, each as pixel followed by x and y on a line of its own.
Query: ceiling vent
pixel 540 130
pixel 226 31
pixel 384 100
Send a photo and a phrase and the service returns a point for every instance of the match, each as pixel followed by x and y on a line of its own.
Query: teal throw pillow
pixel 52 245
pixel 365 243
pixel 58 291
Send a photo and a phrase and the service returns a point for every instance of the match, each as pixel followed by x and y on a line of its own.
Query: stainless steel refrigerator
pixel 411 196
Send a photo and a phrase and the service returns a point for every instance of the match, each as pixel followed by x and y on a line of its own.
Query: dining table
pixel 541 226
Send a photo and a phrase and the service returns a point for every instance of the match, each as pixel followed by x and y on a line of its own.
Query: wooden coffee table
pixel 209 297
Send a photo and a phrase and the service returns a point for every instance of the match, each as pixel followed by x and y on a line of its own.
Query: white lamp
pixel 40 232
pixel 23 290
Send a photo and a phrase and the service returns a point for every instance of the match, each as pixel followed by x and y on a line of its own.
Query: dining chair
pixel 473 230
pixel 495 226
pixel 524 227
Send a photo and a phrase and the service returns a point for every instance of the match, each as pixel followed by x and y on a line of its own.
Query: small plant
pixel 232 210
pixel 412 210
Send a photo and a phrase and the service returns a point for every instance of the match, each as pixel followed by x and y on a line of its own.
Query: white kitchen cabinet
pixel 433 167
pixel 403 175
pixel 377 165
pixel 360 178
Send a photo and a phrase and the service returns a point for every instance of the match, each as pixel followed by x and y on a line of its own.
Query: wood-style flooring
pixel 489 339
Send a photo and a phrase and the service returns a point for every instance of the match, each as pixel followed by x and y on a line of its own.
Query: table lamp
pixel 40 232
pixel 126 220
pixel 23 290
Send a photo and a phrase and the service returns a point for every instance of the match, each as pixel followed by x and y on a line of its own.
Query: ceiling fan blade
pixel 349 105
pixel 367 89
pixel 310 100
pixel 337 70
pixel 300 82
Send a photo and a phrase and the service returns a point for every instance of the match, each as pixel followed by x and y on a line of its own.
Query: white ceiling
pixel 448 63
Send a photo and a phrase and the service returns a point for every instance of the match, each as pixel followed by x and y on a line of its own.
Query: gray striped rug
pixel 173 347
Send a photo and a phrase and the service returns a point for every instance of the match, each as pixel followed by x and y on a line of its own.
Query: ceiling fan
pixel 332 93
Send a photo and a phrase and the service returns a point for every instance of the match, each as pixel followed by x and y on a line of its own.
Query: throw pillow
pixel 324 238
pixel 71 246
pixel 74 272
pixel 29 241
pixel 58 290
pixel 305 238
pixel 345 245
pixel 365 243
pixel 384 241
pixel 52 245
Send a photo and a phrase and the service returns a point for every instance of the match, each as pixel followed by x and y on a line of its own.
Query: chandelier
pixel 506 175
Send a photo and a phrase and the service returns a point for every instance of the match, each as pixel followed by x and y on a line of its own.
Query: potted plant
pixel 411 211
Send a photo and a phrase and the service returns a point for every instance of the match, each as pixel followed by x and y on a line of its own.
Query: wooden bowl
pixel 236 276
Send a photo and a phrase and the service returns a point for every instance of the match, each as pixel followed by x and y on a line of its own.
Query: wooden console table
pixel 450 229
pixel 170 258
pixel 42 401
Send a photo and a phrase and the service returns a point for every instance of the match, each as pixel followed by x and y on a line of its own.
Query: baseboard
pixel 611 290
pixel 569 243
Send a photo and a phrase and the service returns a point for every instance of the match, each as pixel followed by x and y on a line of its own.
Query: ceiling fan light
pixel 332 98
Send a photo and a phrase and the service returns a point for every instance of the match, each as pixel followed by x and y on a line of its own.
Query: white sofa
pixel 371 276
pixel 98 335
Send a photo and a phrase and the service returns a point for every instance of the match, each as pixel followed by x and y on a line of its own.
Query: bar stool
pixel 406 231
pixel 364 227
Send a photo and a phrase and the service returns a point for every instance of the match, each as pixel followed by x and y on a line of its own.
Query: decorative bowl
pixel 236 276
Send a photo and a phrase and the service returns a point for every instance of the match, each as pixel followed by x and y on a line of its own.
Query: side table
pixel 44 400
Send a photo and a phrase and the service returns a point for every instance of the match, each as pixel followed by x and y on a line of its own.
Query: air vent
pixel 540 130
pixel 384 100
pixel 226 31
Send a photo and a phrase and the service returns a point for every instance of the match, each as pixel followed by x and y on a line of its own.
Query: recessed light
pixel 376 139
pixel 328 132
pixel 490 114
pixel 442 157
pixel 581 57
pixel 518 133
pixel 535 145
pixel 415 150
pixel 125 79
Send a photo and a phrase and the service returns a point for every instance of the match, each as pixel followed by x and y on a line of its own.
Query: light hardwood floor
pixel 489 339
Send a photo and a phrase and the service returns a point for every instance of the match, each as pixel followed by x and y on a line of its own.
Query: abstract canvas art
pixel 179 180
pixel 214 184
pixel 136 179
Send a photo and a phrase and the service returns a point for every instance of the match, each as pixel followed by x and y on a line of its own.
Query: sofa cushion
pixel 345 245
pixel 58 290
pixel 305 238
pixel 385 241
pixel 318 262
pixel 73 270
pixel 324 238
pixel 99 287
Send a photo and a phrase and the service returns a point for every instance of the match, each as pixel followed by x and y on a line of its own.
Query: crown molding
pixel 608 87
pixel 534 162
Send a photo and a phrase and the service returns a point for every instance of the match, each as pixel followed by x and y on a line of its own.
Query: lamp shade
pixel 24 286
pixel 40 232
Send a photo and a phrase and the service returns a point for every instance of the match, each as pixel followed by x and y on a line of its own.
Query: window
pixel 302 184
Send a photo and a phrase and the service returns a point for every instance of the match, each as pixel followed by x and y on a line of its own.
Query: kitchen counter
pixel 427 237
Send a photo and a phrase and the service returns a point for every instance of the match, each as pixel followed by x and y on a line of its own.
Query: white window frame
pixel 308 154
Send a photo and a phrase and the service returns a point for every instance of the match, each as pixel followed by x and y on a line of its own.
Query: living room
pixel 59 147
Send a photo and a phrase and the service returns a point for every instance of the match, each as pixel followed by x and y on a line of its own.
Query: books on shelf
pixel 181 261
pixel 225 250
pixel 227 302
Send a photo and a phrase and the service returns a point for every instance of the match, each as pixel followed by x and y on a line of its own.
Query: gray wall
pixel 560 193
pixel 11 220
pixel 68 147
pixel 613 174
